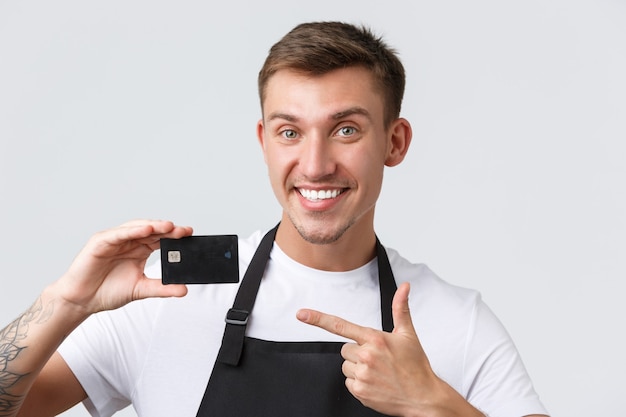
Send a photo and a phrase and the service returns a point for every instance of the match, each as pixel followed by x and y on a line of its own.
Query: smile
pixel 317 195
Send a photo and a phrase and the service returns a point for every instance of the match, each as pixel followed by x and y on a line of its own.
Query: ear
pixel 400 134
pixel 260 135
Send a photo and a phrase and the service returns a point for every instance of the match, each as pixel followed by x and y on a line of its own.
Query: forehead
pixel 289 91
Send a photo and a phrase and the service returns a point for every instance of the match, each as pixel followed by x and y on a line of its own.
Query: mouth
pixel 319 195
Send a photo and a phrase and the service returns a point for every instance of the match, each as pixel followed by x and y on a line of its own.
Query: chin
pixel 322 233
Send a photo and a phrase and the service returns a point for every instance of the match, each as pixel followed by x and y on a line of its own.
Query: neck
pixel 355 248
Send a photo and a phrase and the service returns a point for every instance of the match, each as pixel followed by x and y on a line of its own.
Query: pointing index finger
pixel 334 324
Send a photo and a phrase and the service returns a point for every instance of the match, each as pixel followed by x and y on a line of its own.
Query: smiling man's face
pixel 326 146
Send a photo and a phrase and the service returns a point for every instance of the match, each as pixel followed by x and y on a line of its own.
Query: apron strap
pixel 237 316
pixel 387 285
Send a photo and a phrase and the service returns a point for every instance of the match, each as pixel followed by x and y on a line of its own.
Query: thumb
pixel 400 310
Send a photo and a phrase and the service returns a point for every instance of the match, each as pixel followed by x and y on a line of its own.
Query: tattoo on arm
pixel 11 347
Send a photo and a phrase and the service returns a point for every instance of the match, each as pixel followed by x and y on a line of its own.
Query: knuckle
pixel 378 340
pixel 347 348
pixel 338 325
pixel 359 389
pixel 367 357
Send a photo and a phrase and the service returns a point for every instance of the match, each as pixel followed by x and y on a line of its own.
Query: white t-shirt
pixel 158 354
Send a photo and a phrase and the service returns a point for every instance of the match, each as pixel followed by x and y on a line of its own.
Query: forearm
pixel 28 342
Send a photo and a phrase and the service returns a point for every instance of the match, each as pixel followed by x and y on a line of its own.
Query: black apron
pixel 259 378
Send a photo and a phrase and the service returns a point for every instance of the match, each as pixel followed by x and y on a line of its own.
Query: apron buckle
pixel 236 316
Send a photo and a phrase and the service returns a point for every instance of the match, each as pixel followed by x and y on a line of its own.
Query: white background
pixel 515 183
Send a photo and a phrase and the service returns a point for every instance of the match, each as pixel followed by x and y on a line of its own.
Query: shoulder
pixel 442 311
pixel 428 287
pixel 249 244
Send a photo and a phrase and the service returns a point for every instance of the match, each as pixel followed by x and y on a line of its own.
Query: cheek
pixel 277 181
pixel 368 169
pixel 368 163
pixel 278 166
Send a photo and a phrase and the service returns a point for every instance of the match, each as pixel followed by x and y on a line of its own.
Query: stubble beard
pixel 321 235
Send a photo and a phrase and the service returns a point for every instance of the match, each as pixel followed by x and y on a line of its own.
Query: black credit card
pixel 200 260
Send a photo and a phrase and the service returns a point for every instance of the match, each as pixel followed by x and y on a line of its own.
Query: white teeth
pixel 315 195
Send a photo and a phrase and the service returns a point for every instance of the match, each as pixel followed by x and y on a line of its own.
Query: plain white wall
pixel 515 183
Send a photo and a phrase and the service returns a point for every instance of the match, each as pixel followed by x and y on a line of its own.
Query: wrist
pixel 445 401
pixel 56 306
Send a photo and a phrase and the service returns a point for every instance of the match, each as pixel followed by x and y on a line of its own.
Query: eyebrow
pixel 284 116
pixel 349 112
pixel 337 116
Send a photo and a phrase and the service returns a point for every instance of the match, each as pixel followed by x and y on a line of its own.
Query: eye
pixel 289 134
pixel 346 131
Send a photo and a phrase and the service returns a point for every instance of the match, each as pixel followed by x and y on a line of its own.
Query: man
pixel 321 323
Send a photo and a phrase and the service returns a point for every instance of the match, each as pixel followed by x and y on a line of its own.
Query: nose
pixel 317 158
